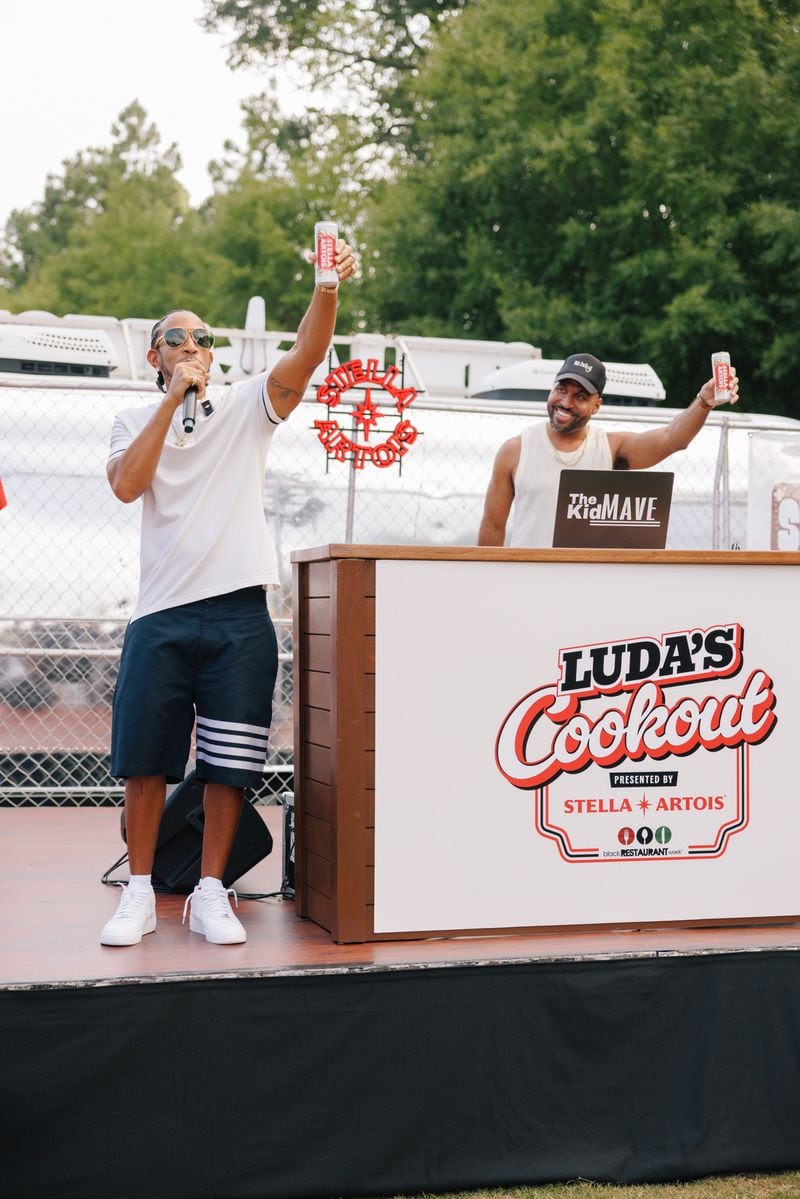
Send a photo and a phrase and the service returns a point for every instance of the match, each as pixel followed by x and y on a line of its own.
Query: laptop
pixel 613 509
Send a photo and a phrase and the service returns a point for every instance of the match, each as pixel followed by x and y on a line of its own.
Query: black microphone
pixel 189 409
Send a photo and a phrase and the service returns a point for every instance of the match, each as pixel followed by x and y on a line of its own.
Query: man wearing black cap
pixel 527 467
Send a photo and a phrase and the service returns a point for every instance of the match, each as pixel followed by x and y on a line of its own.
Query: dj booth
pixel 495 740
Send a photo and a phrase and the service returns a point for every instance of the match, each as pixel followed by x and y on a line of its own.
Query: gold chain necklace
pixel 178 433
pixel 573 457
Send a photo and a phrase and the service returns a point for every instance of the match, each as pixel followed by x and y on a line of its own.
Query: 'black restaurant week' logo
pixel 631 704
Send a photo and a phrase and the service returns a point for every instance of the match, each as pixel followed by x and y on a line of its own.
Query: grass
pixel 746 1186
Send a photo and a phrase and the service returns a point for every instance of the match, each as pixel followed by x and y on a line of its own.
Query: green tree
pixel 73 198
pixel 620 176
pixel 144 253
pixel 375 48
pixel 268 195
pixel 115 233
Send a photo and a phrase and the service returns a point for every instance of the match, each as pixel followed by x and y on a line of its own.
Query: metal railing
pixel 56 687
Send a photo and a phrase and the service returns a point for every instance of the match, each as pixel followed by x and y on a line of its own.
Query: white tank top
pixel 536 480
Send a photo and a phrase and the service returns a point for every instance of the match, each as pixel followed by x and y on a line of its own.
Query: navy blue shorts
pixel 214 660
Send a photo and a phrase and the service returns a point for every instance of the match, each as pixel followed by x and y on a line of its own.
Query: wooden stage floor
pixel 54 905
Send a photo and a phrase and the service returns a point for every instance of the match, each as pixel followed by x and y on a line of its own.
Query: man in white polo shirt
pixel 528 467
pixel 200 644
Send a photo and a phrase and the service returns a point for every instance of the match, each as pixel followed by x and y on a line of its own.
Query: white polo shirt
pixel 203 529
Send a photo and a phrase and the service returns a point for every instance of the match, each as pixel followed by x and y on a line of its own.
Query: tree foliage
pixel 73 198
pixel 143 254
pixel 116 234
pixel 289 174
pixel 621 177
pixel 375 48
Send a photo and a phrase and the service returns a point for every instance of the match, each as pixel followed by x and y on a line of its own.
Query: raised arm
pixel 288 381
pixel 637 451
pixel 499 494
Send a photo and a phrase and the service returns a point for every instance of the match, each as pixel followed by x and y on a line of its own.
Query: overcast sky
pixel 71 66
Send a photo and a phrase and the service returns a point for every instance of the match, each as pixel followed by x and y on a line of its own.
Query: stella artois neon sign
pixel 381 389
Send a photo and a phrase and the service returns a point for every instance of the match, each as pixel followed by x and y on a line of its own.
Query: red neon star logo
pixel 367 414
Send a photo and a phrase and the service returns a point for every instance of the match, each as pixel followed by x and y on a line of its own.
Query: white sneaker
pixel 211 914
pixel 135 916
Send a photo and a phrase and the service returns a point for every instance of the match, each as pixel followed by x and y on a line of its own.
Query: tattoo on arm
pixel 279 391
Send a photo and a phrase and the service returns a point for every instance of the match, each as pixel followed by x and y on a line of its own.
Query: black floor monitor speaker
pixel 176 866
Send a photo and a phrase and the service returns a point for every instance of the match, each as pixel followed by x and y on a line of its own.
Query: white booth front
pixel 585 742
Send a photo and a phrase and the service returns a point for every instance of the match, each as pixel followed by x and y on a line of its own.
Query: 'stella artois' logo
pixel 378 387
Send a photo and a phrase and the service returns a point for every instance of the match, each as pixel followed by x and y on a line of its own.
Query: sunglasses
pixel 203 338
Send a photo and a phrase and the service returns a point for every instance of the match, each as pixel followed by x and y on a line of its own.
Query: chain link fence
pixel 70 549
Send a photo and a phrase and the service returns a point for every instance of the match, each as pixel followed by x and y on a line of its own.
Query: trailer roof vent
pixel 55 350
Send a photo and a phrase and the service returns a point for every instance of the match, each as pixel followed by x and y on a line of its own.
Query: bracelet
pixel 710 407
pixel 331 291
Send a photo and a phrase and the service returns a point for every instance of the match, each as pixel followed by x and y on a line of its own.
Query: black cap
pixel 587 369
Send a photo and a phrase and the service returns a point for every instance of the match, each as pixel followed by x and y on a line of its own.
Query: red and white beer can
pixel 325 236
pixel 721 366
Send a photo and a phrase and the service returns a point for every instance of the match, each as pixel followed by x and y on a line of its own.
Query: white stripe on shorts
pixel 229 743
pixel 231 725
pixel 236 763
pixel 250 742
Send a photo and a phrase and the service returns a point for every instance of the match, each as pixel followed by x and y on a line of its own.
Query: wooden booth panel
pixel 318 689
pixel 334 726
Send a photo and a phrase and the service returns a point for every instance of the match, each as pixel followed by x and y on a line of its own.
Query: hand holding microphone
pixel 189 408
pixel 187 383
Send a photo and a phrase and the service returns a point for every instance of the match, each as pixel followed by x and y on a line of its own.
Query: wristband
pixel 705 404
pixel 328 290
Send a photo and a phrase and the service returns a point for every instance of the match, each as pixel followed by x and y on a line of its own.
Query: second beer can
pixel 721 366
pixel 325 235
